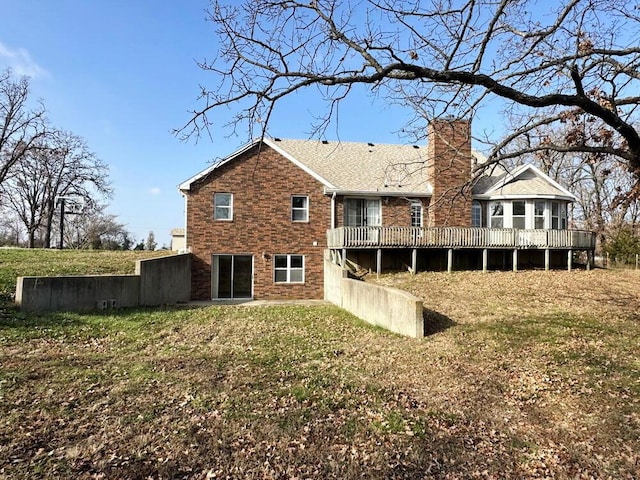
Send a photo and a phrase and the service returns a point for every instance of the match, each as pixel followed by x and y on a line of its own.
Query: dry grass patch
pixel 535 375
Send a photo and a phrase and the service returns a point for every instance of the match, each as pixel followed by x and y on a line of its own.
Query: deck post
pixel 589 260
pixel 414 261
pixel 450 260
pixel 343 260
pixel 485 260
pixel 547 259
pixel 569 259
pixel 515 259
pixel 379 261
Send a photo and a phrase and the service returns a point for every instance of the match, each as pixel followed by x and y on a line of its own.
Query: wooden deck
pixel 459 237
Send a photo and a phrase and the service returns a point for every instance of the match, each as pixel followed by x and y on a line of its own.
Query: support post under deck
pixel 414 261
pixel 515 259
pixel 450 260
pixel 547 259
pixel 569 260
pixel 485 260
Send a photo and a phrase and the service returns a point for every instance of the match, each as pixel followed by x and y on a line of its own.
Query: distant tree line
pixel 48 174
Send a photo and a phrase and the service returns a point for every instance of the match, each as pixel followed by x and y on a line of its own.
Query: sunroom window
pixel 538 214
pixel 497 215
pixel 559 216
pixel 519 214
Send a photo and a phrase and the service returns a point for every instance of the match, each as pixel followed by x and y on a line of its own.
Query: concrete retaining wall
pixel 386 307
pixel 164 280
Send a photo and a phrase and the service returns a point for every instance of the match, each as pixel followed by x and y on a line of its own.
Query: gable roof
pixel 525 181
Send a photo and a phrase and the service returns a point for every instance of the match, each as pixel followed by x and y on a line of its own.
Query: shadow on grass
pixel 435 322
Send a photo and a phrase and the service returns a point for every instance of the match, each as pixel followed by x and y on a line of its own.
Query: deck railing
pixel 457 237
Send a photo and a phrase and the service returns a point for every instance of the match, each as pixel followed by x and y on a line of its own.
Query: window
pixel 299 208
pixel 519 214
pixel 223 206
pixel 476 214
pixel 538 214
pixel 497 215
pixel 555 215
pixel 362 212
pixel 288 268
pixel 563 216
pixel 416 214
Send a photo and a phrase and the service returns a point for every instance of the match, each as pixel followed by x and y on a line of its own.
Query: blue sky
pixel 123 73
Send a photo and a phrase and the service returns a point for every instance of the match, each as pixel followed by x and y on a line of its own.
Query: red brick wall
pixel 262 183
pixel 448 170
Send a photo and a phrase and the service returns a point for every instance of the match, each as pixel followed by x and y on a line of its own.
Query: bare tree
pixel 62 165
pixel 439 57
pixel 95 229
pixel 600 181
pixel 21 127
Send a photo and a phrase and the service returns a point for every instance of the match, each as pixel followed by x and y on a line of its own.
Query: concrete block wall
pixel 158 281
pixel 387 307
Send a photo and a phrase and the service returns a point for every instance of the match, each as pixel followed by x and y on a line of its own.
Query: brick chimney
pixel 448 171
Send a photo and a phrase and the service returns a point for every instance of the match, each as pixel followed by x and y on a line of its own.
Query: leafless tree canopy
pixel 540 61
pixel 21 126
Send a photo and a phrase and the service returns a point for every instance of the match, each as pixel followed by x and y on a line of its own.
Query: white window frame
pixel 229 207
pixel 304 209
pixel 522 216
pixel 417 212
pixel 491 216
pixel 543 216
pixel 288 268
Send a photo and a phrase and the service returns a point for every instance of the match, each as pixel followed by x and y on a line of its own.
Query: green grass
pixel 546 387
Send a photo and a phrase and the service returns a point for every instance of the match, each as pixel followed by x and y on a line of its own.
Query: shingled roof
pixel 525 181
pixel 390 169
pixel 361 167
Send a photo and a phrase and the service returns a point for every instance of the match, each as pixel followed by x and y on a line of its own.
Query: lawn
pixel 524 375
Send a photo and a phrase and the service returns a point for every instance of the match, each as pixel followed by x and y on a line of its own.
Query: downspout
pixel 333 210
pixel 186 236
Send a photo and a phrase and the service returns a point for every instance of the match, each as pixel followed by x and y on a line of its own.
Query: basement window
pixel 288 268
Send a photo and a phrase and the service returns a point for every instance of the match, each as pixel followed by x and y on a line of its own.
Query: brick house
pixel 259 221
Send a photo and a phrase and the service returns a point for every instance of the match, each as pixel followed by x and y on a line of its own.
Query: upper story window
pixel 288 268
pixel 519 214
pixel 416 214
pixel 476 214
pixel 223 206
pixel 497 215
pixel 300 208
